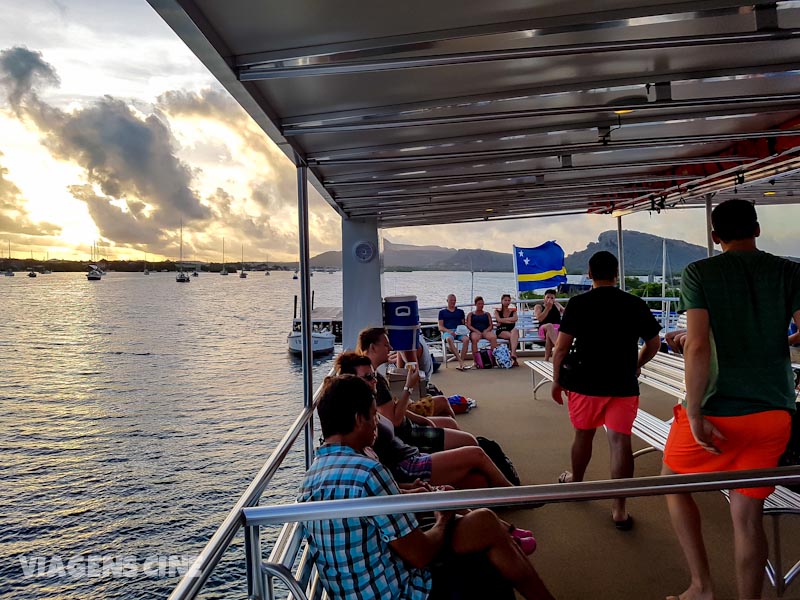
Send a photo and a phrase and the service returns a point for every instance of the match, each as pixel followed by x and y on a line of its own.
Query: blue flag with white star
pixel 540 267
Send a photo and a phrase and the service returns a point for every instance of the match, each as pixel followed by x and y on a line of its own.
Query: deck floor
pixel 581 554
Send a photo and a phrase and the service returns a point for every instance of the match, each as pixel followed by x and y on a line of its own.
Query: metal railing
pixel 201 569
pixel 305 584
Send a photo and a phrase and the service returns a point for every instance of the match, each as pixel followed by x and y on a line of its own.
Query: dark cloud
pixel 22 73
pixel 14 219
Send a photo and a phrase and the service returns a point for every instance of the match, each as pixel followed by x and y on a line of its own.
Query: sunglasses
pixel 369 377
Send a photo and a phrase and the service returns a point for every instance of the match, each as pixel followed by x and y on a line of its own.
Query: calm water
pixel 134 411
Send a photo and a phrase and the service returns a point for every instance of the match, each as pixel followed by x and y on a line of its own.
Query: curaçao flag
pixel 540 267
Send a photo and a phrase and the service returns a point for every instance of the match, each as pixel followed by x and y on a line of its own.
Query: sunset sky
pixel 112 131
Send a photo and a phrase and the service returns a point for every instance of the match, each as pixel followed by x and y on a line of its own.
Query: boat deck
pixel 581 554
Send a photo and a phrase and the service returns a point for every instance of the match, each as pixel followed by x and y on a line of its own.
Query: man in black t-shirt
pixel 606 324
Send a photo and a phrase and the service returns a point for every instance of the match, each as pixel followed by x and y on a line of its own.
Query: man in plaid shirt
pixel 386 556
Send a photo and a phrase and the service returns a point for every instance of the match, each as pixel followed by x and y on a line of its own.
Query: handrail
pixel 201 569
pixel 519 496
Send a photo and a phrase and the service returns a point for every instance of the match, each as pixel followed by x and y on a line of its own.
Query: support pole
pixel 305 305
pixel 621 255
pixel 709 240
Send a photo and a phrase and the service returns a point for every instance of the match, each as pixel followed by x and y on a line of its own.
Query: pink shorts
pixel 615 412
pixel 541 329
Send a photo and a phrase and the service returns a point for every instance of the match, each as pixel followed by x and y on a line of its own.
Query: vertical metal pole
pixel 621 253
pixel 305 305
pixel 664 304
pixel 256 583
pixel 709 240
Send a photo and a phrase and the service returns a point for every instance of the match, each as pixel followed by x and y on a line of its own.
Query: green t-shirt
pixel 750 297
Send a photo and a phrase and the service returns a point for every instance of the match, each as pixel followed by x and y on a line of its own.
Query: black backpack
pixel 499 458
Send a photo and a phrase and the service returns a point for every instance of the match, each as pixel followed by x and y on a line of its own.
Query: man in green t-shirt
pixel 739 388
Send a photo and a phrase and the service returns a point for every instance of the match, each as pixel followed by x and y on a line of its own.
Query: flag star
pixel 526 261
pixel 520 253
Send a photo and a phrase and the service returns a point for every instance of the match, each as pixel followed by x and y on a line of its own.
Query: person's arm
pixel 795 337
pixel 540 311
pixel 512 318
pixel 469 323
pixel 444 329
pixel 396 411
pixel 560 308
pixel 491 324
pixel 419 548
pixel 419 419
pixel 563 342
pixel 648 351
pixel 675 340
pixel 697 357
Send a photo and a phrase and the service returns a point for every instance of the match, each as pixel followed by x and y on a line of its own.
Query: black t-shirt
pixel 384 392
pixel 607 324
pixel 391 450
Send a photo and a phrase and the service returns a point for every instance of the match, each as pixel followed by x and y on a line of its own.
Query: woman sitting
pixel 506 318
pixel 479 323
pixel 549 316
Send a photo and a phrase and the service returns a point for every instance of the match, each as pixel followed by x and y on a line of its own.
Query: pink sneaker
pixel 518 533
pixel 528 545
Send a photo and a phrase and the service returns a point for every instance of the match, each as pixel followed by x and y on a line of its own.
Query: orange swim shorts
pixel 754 441
pixel 590 412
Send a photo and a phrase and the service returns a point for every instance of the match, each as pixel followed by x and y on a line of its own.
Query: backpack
pixel 499 458
pixel 484 359
pixel 502 357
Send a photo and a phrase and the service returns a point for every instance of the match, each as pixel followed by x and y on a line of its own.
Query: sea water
pixel 134 411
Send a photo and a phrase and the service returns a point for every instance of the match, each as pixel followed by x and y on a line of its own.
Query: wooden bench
pixel 665 372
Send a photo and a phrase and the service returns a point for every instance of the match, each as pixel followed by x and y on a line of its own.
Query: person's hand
pixel 412 377
pixel 704 433
pixel 393 357
pixel 558 393
pixel 443 517
pixel 676 340
pixel 548 301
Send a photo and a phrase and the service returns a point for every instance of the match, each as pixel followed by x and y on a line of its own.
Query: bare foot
pixel 694 593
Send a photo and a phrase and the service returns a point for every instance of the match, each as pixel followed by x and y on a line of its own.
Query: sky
pixel 113 133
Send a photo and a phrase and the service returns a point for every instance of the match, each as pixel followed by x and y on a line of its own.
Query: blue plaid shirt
pixel 353 555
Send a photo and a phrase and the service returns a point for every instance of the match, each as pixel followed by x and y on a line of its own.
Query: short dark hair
pixel 550 292
pixel 505 296
pixel 734 220
pixel 367 337
pixel 343 397
pixel 603 266
pixel 347 362
pixel 478 298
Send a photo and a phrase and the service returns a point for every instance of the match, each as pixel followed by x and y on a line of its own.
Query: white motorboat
pixel 322 339
pixel 94 273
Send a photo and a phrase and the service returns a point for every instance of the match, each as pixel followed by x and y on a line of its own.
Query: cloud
pixel 22 72
pixel 14 218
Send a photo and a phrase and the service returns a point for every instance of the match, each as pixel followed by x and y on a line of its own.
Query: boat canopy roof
pixel 420 112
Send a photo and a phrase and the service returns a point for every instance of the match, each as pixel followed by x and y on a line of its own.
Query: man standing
pixel 449 320
pixel 386 556
pixel 606 324
pixel 739 388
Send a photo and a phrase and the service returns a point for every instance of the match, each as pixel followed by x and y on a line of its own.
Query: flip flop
pixel 565 477
pixel 464 368
pixel 625 525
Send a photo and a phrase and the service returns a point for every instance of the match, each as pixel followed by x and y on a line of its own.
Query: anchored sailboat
pixel 182 277
pixel 242 273
pixel 224 270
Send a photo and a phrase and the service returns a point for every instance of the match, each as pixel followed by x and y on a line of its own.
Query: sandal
pixel 514 362
pixel 565 477
pixel 625 525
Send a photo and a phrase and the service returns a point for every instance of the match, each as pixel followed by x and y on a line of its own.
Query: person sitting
pixel 548 314
pixel 479 323
pixel 506 319
pixel 429 434
pixel 464 468
pixel 450 319
pixel 391 551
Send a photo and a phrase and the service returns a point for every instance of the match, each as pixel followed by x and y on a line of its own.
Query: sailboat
pixel 146 270
pixel 8 272
pixel 242 273
pixel 224 270
pixel 182 277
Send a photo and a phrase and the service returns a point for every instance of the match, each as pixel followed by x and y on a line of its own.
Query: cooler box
pixel 401 320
